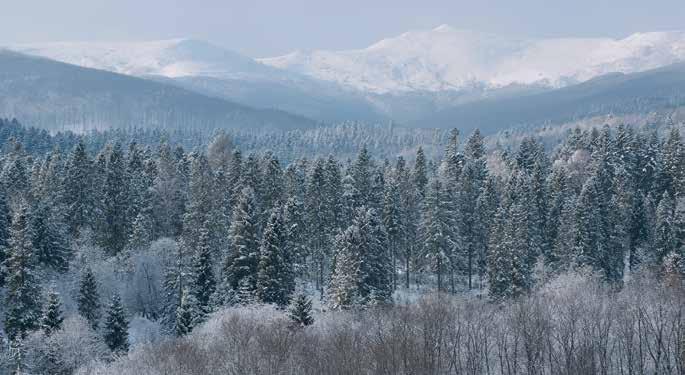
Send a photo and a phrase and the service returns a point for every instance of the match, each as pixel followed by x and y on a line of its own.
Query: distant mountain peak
pixel 173 58
pixel 447 58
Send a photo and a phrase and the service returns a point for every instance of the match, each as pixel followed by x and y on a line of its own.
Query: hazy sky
pixel 266 28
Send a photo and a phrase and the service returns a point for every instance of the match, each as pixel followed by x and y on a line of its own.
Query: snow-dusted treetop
pixel 443 58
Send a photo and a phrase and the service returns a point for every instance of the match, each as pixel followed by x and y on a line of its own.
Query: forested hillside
pixel 157 250
pixel 58 97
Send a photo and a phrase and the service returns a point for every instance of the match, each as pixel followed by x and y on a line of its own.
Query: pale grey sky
pixel 271 27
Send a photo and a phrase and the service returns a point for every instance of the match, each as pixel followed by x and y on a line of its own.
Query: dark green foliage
pixel 23 301
pixel 116 327
pixel 240 266
pixel 52 315
pixel 204 282
pixel 89 299
pixel 275 278
pixel 188 315
pixel 300 311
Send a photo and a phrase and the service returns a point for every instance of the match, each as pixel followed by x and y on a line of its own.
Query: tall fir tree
pixel 89 299
pixel 5 225
pixel 275 278
pixel 116 327
pixel 188 315
pixel 665 241
pixel 420 173
pixel 115 203
pixel 22 298
pixel 204 282
pixel 300 311
pixel 78 192
pixel 52 316
pixel 49 237
pixel 241 263
pixel 436 228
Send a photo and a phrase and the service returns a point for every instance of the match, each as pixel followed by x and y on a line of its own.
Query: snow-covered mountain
pixel 445 58
pixel 406 78
pixel 171 58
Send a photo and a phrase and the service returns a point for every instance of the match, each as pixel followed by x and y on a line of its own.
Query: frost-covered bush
pixel 574 324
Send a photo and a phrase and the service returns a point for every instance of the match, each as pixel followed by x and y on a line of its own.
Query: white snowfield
pixel 447 58
pixel 440 59
pixel 171 58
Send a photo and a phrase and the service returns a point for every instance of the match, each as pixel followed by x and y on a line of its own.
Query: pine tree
pixel 52 316
pixel 343 290
pixel 5 225
pixel 272 183
pixel 362 173
pixel 23 306
pixel 671 173
pixel 167 194
pixel 200 200
pixel 115 203
pixel 177 279
pixel 142 232
pixel 300 311
pixel 511 259
pixel 362 269
pixel 318 215
pixel 375 267
pixel 665 240
pixel 89 299
pixel 204 283
pixel 296 236
pixel 420 174
pixel 241 263
pixel 436 224
pixel 188 315
pixel 49 238
pixel 275 279
pixel 470 185
pixel 392 220
pixel 78 193
pixel 116 326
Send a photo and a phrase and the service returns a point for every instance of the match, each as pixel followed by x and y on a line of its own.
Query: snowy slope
pixel 169 58
pixel 445 58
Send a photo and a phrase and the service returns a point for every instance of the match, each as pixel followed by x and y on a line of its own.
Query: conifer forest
pixel 135 253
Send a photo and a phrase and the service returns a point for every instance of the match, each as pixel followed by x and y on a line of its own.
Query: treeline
pixel 342 140
pixel 172 235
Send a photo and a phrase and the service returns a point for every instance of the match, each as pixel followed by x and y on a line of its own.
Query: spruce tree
pixel 188 315
pixel 204 282
pixel 49 238
pixel 5 225
pixel 362 269
pixel 89 299
pixel 420 174
pixel 52 316
pixel 115 203
pixel 275 279
pixel 23 305
pixel 436 225
pixel 296 235
pixel 272 183
pixel 116 326
pixel 665 240
pixel 392 220
pixel 343 289
pixel 300 311
pixel 78 192
pixel 241 263
pixel 200 200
